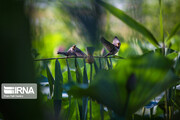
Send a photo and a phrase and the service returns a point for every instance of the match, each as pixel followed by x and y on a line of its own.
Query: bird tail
pixel 63 53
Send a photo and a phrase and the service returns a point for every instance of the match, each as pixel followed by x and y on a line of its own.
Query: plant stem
pixel 144 109
pixel 111 63
pixel 132 116
pixel 101 106
pixel 102 111
pixel 100 64
pixel 151 112
pixel 116 57
pixel 69 97
pixel 76 110
pixel 166 105
pixel 90 111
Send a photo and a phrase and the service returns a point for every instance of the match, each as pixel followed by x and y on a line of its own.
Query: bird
pixel 73 51
pixel 79 53
pixel 113 48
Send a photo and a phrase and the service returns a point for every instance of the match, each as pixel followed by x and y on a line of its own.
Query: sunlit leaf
pixel 129 21
pixel 153 76
pixel 175 43
pixel 50 79
pixel 68 114
pixel 171 56
pixel 161 21
pixel 174 31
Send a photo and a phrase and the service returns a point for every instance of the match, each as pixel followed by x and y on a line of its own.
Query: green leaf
pixel 84 108
pixel 78 72
pixel 102 111
pixel 174 31
pixel 107 61
pixel 161 21
pixel 69 72
pixel 50 80
pixel 177 66
pixel 70 80
pixel 85 77
pixel 100 64
pixel 58 88
pixel 153 76
pixel 172 56
pixel 58 84
pixel 84 99
pixel 175 43
pixel 129 21
pixel 79 79
pixel 96 67
pixel 111 63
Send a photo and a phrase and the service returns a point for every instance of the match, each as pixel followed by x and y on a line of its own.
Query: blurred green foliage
pixel 111 88
pixel 57 25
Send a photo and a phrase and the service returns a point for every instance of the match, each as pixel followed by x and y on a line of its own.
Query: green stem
pixel 109 67
pixel 116 57
pixel 111 63
pixel 90 111
pixel 151 113
pixel 77 110
pixel 102 111
pixel 101 106
pixel 144 110
pixel 90 73
pixel 100 64
pixel 69 97
pixel 132 116
pixel 166 105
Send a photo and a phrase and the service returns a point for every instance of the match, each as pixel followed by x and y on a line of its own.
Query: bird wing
pixel 109 46
pixel 78 52
pixel 71 52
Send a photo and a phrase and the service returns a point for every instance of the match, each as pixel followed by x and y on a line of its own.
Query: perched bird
pixel 113 48
pixel 73 51
pixel 78 52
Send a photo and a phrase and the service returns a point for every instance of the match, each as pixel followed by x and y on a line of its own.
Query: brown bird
pixel 79 53
pixel 73 51
pixel 113 48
